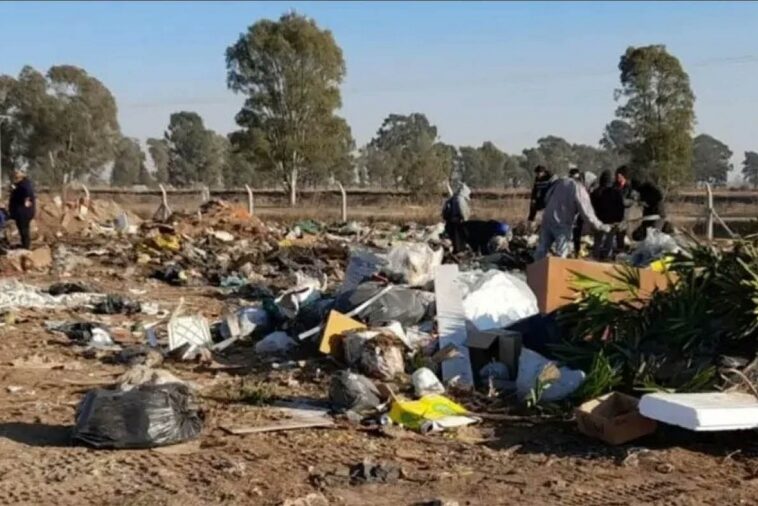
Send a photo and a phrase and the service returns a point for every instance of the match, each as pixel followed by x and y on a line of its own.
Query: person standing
pixel 22 205
pixel 624 184
pixel 455 212
pixel 542 181
pixel 576 233
pixel 608 203
pixel 653 208
pixel 565 199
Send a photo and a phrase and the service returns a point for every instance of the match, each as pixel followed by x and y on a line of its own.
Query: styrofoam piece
pixel 451 322
pixel 710 411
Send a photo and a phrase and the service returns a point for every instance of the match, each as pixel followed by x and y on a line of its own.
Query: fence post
pixel 344 202
pixel 163 211
pixel 205 194
pixel 449 188
pixel 250 200
pixel 709 210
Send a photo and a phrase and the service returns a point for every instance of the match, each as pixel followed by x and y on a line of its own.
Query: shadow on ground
pixel 37 434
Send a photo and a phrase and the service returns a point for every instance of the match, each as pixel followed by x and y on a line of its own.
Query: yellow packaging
pixel 430 408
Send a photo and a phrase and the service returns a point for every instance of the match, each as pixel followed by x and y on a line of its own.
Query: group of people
pixel 569 205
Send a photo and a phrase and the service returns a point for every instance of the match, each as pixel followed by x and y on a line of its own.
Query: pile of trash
pixel 58 218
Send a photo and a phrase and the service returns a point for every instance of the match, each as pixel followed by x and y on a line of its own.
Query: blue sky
pixel 505 72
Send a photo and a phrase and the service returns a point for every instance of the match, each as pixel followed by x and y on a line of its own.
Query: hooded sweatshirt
pixel 457 207
pixel 565 199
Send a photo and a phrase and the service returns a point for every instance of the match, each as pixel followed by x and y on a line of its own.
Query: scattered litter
pixel 709 411
pixel 431 413
pixel 274 343
pixel 167 414
pixel 425 382
pixel 354 392
pixel 613 418
pixel 116 304
pixel 67 288
pixel 369 471
pixel 144 375
pixel 17 295
pixel 541 380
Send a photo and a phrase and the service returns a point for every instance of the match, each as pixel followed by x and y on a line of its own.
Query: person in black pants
pixel 22 206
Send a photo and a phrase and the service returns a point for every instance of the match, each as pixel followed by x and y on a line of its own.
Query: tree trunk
pixel 293 187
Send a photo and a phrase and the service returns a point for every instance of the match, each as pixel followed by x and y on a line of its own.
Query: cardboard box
pixel 497 344
pixel 336 325
pixel 613 418
pixel 551 280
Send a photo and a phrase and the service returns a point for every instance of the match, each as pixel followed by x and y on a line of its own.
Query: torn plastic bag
pixel 405 305
pixel 656 245
pixel 495 299
pixel 308 290
pixel 143 417
pixel 532 365
pixel 362 265
pixel 425 382
pixel 412 263
pixel 350 391
pixel 116 304
pixel 275 343
pixel 67 288
pixel 89 334
pixel 382 357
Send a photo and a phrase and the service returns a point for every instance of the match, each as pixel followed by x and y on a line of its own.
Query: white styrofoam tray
pixel 711 411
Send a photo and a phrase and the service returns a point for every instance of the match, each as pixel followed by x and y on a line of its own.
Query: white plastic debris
pixel 362 264
pixel 426 382
pixel 100 339
pixel 531 365
pixel 223 236
pixel 413 263
pixel 495 299
pixel 710 411
pixel 18 295
pixel 192 330
pixel 276 342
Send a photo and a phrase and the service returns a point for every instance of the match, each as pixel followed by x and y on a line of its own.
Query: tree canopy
pixel 62 126
pixel 659 108
pixel 750 168
pixel 711 160
pixel 195 154
pixel 290 71
pixel 129 164
pixel 159 153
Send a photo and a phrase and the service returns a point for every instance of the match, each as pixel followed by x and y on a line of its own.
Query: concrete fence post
pixel 344 202
pixel 709 210
pixel 250 200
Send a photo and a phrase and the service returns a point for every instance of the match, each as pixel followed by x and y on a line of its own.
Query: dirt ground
pixel 507 460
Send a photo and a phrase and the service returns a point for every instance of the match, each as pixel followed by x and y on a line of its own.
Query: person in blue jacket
pixel 22 205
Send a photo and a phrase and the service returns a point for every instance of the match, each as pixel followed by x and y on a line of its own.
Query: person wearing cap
pixel 624 184
pixel 454 213
pixel 565 199
pixel 542 181
pixel 480 234
pixel 22 205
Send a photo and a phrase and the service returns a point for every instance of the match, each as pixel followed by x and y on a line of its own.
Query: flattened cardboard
pixel 336 325
pixel 451 322
pixel 496 344
pixel 613 418
pixel 551 280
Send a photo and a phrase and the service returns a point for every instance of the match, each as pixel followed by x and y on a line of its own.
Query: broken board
pixel 336 325
pixel 710 411
pixel 451 322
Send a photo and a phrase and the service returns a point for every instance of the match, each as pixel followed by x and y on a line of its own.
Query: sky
pixel 506 72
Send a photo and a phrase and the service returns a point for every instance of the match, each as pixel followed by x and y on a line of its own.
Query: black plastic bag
pixel 81 332
pixel 66 288
pixel 116 304
pixel 401 304
pixel 144 417
pixel 350 391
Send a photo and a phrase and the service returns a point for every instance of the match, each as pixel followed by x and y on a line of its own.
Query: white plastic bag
pixel 656 245
pixel 495 299
pixel 531 364
pixel 426 382
pixel 413 263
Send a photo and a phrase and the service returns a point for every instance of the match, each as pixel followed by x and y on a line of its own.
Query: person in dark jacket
pixel 542 181
pixel 653 208
pixel 576 233
pixel 480 234
pixel 624 184
pixel 22 206
pixel 608 202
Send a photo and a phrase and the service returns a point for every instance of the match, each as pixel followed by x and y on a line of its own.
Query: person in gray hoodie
pixel 565 200
pixel 455 212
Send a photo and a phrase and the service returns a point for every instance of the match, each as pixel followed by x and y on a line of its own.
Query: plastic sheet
pixel 495 299
pixel 656 245
pixel 413 263
pixel 143 417
pixel 405 305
